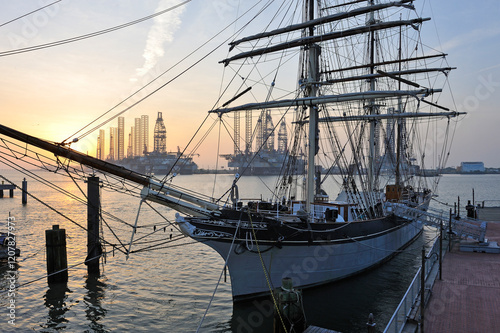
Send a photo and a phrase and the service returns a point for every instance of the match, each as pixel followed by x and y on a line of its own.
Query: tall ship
pixel 363 101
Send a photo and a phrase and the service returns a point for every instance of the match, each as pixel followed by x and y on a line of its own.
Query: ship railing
pixel 461 226
pixel 489 203
pixel 408 307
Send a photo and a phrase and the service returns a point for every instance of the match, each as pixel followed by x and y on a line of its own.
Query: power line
pixel 93 34
pixel 153 80
pixel 27 14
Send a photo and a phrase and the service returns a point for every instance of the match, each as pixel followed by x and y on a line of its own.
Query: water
pixel 168 290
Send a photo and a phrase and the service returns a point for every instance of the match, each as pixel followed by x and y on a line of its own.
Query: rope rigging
pixel 70 172
pixel 156 78
pixel 32 12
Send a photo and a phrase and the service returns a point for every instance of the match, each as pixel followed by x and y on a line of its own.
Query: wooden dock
pixel 7 187
pixel 488 213
pixel 467 299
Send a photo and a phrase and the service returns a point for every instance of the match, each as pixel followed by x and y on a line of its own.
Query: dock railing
pixel 410 299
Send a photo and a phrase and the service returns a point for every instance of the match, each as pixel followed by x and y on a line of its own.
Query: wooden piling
pixel 24 197
pixel 55 240
pixel 94 249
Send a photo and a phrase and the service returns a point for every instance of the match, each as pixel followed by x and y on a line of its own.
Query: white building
pixel 471 167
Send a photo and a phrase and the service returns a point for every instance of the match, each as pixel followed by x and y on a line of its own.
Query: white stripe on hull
pixel 307 265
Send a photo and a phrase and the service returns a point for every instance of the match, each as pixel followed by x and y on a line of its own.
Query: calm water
pixel 168 290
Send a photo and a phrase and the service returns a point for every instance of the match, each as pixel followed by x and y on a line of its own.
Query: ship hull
pixel 308 262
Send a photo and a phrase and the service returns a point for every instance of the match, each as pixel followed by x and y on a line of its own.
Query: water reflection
pixel 343 305
pixel 94 311
pixel 58 302
pixel 55 300
pixel 253 316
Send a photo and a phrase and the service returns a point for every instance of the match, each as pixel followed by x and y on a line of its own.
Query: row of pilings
pixel 55 240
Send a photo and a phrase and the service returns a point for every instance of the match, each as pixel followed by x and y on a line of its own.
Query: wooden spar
pixel 343 4
pixel 60 150
pixel 395 76
pixel 391 75
pixel 368 117
pixel 436 105
pixel 318 21
pixel 382 63
pixel 237 96
pixel 308 101
pixel 321 38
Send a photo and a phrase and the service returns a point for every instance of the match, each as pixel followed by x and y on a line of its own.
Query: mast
pixel 398 123
pixel 313 77
pixel 372 108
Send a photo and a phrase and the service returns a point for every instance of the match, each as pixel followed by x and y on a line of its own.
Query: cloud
pixel 161 32
pixel 471 37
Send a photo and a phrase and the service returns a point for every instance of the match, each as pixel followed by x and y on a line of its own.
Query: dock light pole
pixel 441 250
pixel 449 234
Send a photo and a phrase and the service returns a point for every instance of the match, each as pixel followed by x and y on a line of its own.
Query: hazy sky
pixel 53 92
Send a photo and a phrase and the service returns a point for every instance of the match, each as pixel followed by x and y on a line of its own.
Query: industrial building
pixel 471 167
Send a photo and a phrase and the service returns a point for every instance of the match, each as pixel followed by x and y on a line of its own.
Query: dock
pixel 467 299
pixel 9 187
pixel 488 213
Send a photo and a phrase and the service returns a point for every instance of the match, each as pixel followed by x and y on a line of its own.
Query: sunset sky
pixel 53 92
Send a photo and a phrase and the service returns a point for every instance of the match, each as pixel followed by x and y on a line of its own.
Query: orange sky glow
pixel 54 92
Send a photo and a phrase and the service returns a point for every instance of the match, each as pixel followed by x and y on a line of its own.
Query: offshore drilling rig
pixel 264 158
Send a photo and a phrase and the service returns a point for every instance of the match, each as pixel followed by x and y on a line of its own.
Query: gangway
pixel 460 226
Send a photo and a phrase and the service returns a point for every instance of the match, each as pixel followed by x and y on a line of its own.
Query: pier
pixel 9 187
pixel 463 295
pixel 467 299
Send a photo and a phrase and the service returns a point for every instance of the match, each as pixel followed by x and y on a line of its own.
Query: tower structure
pixel 100 145
pixel 130 148
pixel 282 138
pixel 113 144
pixel 236 139
pixel 265 131
pixel 137 137
pixel 259 140
pixel 269 131
pixel 248 131
pixel 144 133
pixel 160 136
pixel 121 138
